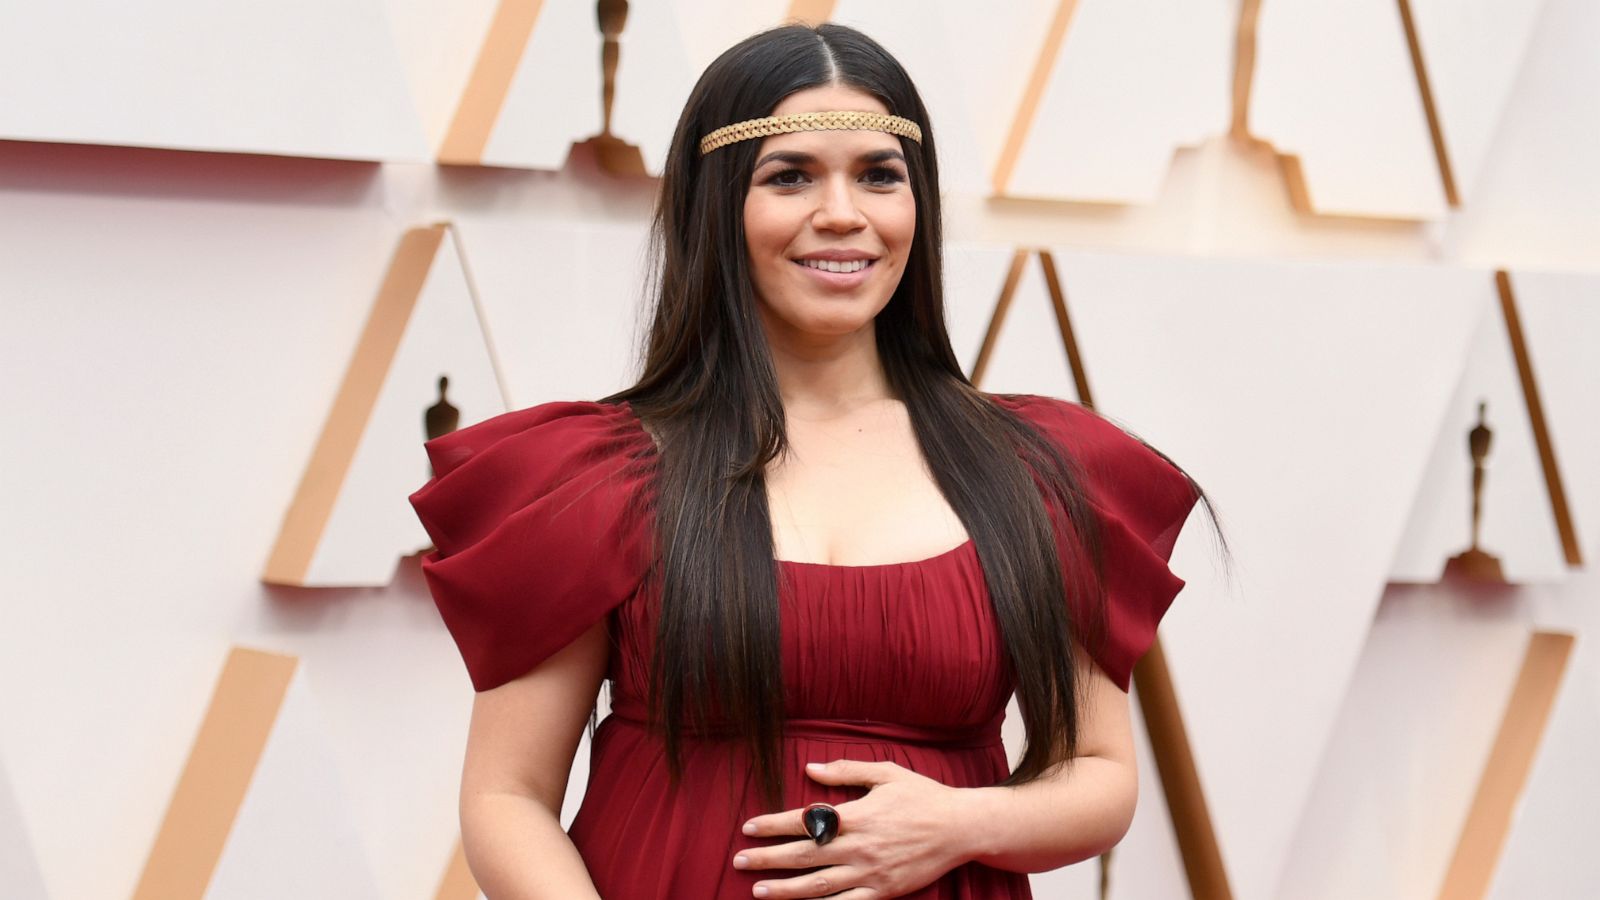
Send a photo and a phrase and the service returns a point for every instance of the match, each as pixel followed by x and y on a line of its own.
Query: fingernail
pixel 749 828
pixel 741 861
pixel 761 890
pixel 814 767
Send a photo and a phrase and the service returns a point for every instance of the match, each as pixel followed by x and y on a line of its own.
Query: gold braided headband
pixel 837 120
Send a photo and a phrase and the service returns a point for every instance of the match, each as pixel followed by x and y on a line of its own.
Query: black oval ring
pixel 821 822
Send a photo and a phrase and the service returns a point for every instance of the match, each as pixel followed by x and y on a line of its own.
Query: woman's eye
pixel 883 176
pixel 787 178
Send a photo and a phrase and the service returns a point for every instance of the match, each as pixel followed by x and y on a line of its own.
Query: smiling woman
pixel 829 219
pixel 812 559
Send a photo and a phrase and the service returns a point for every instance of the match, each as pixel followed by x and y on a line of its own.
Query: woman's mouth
pixel 839 274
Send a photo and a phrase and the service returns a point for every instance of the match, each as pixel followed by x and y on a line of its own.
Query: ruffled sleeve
pixel 532 545
pixel 1142 502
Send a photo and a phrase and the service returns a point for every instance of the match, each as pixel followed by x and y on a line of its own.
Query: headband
pixel 835 120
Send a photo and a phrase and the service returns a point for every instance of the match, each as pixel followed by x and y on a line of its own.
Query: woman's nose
pixel 837 209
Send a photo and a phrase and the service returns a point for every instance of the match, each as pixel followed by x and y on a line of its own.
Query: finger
pixel 854 771
pixel 803 854
pixel 822 883
pixel 792 821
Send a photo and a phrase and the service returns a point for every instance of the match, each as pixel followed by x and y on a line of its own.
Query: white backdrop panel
pixel 1550 850
pixel 1473 50
pixel 562 304
pixel 1560 314
pixel 297 77
pixel 1409 746
pixel 1536 203
pixel 371 524
pixel 1028 356
pixel 19 871
pixel 439 44
pixel 1304 397
pixel 554 98
pixel 295 834
pixel 1003 42
pixel 973 276
pixel 1134 81
pixel 1334 85
pixel 1518 524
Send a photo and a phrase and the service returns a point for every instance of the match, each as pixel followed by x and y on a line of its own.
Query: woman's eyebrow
pixel 797 158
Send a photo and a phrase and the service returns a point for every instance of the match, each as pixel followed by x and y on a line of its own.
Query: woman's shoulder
pixel 494 468
pixel 1127 477
pixel 533 519
pixel 563 432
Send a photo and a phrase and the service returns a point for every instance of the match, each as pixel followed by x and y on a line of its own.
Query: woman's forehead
pixel 829 146
pixel 823 98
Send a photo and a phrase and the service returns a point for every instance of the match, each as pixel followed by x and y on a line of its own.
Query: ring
pixel 821 822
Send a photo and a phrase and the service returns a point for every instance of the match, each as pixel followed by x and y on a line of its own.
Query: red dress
pixel 897 661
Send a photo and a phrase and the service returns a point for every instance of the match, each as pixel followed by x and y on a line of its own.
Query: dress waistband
pixel 986 734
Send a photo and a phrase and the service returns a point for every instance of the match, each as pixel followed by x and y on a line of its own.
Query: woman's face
pixel 828 220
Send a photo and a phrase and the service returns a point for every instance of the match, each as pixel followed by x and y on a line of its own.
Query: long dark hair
pixel 709 394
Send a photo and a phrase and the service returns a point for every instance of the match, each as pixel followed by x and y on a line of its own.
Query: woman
pixel 802 537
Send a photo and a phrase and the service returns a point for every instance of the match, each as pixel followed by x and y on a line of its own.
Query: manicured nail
pixel 741 861
pixel 749 828
pixel 815 767
pixel 761 890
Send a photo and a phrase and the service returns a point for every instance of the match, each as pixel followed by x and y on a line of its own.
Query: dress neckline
pixel 953 551
pixel 638 424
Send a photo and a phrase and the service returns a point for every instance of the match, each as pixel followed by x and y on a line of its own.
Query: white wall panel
pixel 1134 82
pixel 19 871
pixel 298 77
pixel 1549 851
pixel 1303 397
pixel 974 275
pixel 1518 524
pixel 1560 313
pixel 1334 86
pixel 1399 774
pixel 562 304
pixel 1473 50
pixel 295 834
pixel 1536 203
pixel 554 98
pixel 438 44
pixel 1028 356
pixel 370 525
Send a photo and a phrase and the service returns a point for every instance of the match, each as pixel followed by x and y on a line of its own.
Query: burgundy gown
pixel 896 661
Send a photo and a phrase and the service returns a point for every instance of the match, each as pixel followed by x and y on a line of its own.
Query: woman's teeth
pixel 830 265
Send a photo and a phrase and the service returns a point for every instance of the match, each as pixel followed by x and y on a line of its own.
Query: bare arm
pixel 520 746
pixel 1082 808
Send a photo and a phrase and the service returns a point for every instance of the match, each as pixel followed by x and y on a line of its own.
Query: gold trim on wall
pixel 1033 92
pixel 1522 727
pixel 1541 430
pixel 1002 305
pixel 811 12
pixel 1158 699
pixel 222 762
pixel 492 74
pixel 457 883
pixel 309 511
pixel 1441 154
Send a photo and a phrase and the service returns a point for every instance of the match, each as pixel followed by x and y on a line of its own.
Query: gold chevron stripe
pixel 221 764
pixel 1522 728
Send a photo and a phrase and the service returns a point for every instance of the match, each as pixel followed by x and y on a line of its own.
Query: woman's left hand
pixel 905 833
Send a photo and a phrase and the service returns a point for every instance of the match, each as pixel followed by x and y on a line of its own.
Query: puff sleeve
pixel 1142 502
pixel 531 543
